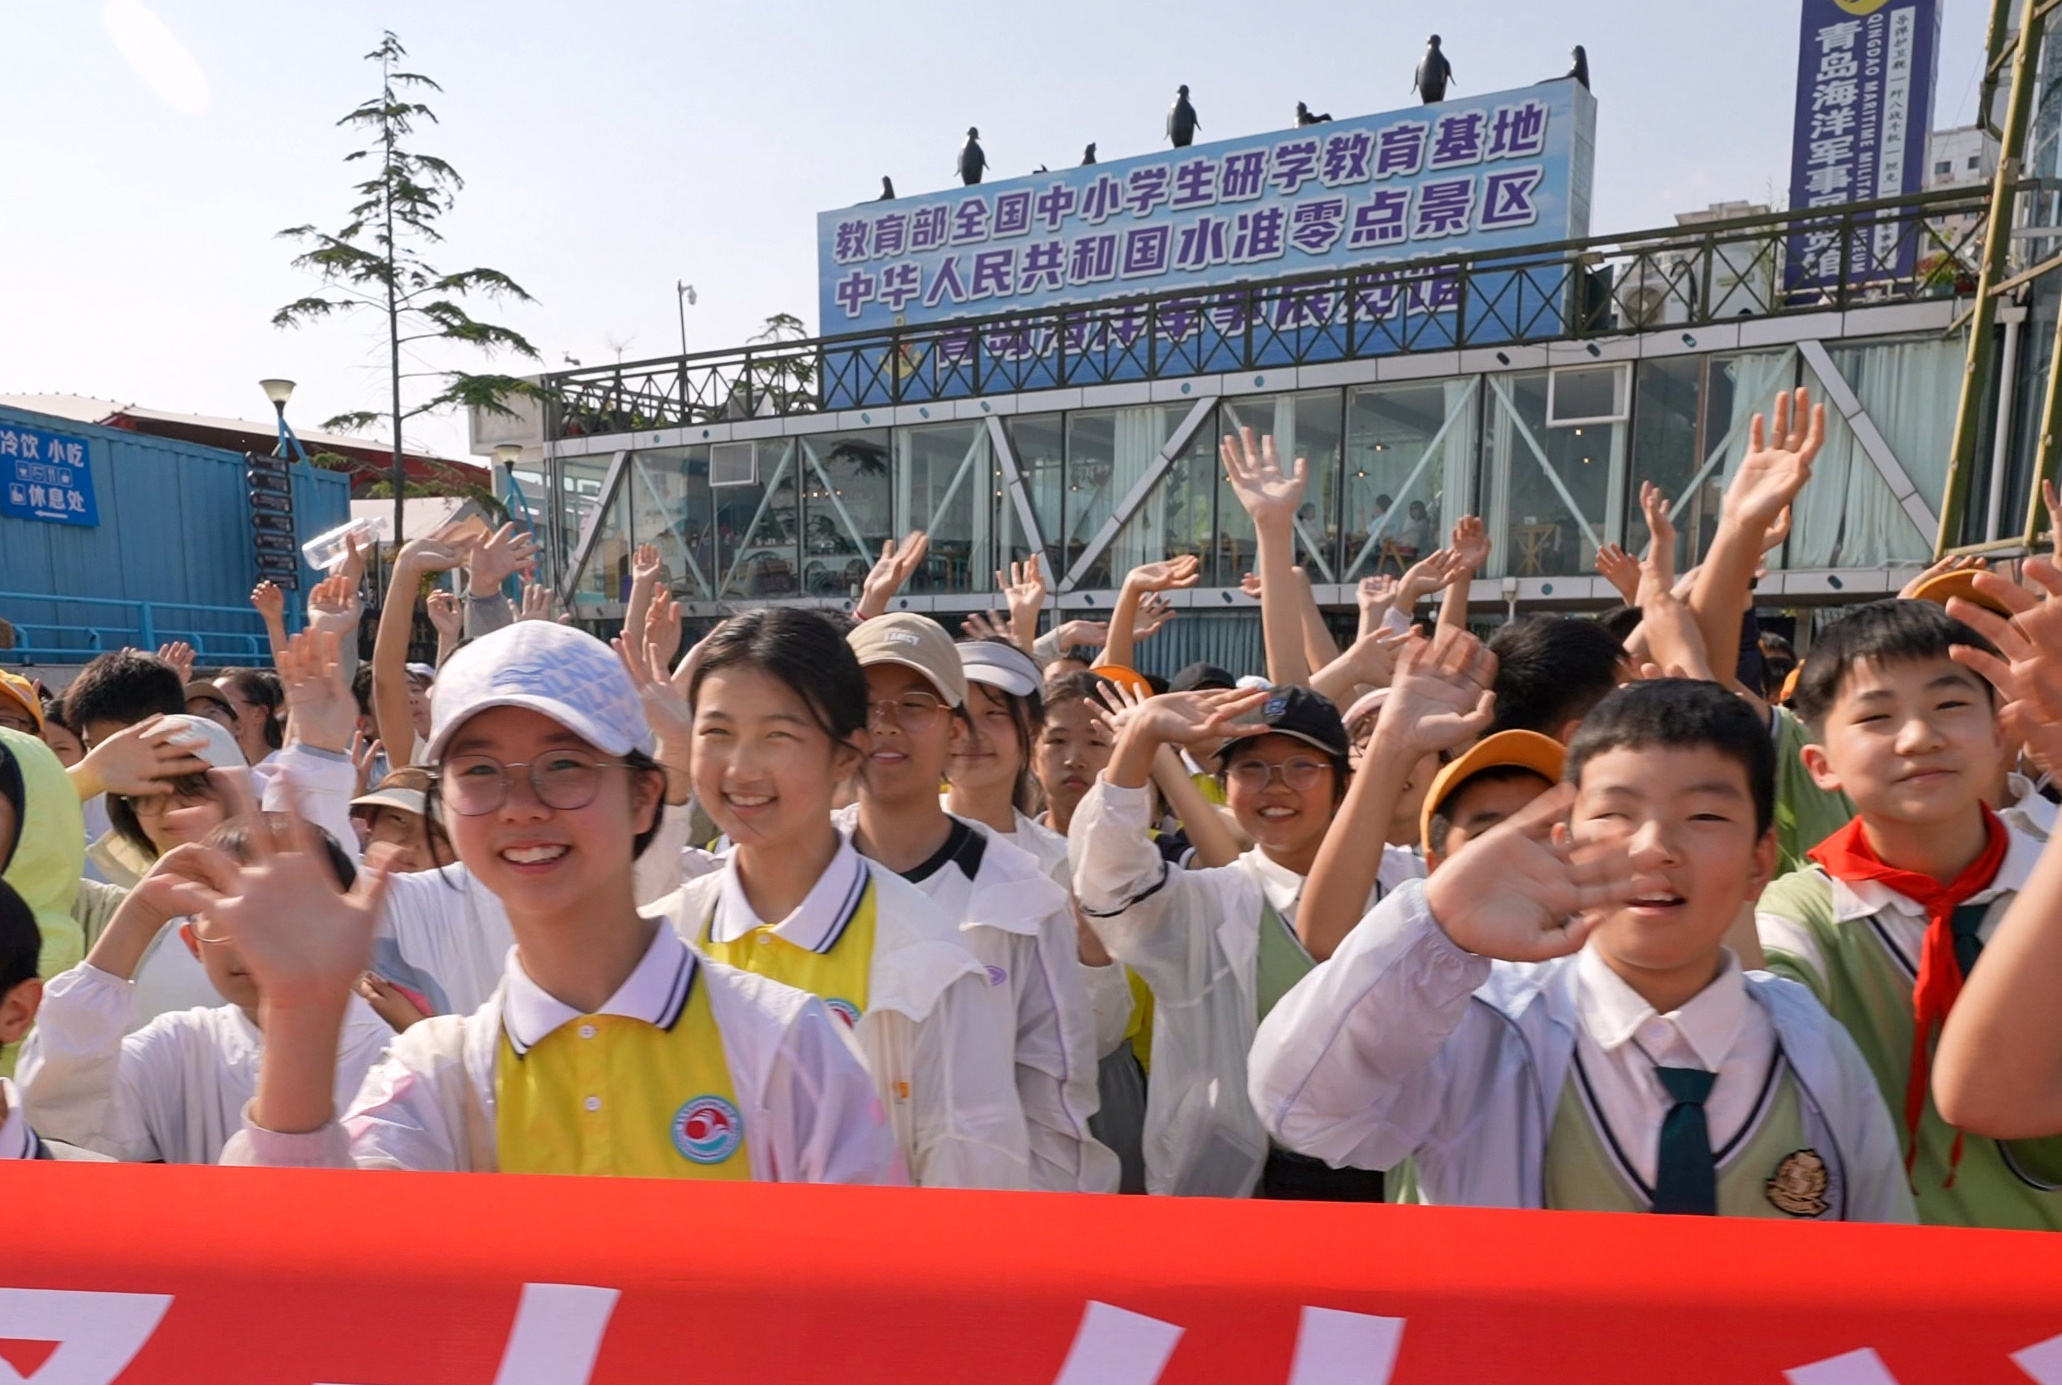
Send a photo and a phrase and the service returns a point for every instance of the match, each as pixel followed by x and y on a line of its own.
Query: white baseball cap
pixel 552 669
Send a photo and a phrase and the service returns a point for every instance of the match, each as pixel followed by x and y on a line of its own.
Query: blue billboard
pixel 45 476
pixel 1488 172
pixel 1865 71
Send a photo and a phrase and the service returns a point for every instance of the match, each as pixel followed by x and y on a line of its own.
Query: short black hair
pixel 234 837
pixel 1441 821
pixel 1621 620
pixel 1682 714
pixel 1550 670
pixel 361 689
pixel 125 686
pixel 1894 631
pixel 21 941
pixel 1082 685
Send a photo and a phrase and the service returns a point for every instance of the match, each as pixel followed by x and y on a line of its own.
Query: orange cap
pixel 1124 678
pixel 1543 755
pixel 16 688
pixel 1939 588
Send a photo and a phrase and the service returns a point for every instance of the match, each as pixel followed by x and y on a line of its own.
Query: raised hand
pixel 269 601
pixel 1521 892
pixel 645 565
pixel 665 696
pixel 333 607
pixel 179 654
pixel 305 940
pixel 1168 574
pixel 993 626
pixel 389 1002
pixel 1471 542
pixel 501 555
pixel 1023 590
pixel 2029 676
pixel 662 630
pixel 1376 594
pixel 320 709
pixel 138 760
pixel 365 753
pixel 1153 612
pixel 1778 461
pixel 1669 625
pixel 1084 634
pixel 1621 570
pixel 536 604
pixel 1186 718
pixel 1427 575
pixel 353 567
pixel 447 615
pixel 433 554
pixel 1270 492
pixel 890 571
pixel 1439 695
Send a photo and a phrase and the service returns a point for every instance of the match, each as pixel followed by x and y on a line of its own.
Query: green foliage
pixel 376 263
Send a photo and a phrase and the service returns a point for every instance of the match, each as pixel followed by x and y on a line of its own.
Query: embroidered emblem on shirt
pixel 996 976
pixel 1799 1185
pixel 708 1130
pixel 844 1010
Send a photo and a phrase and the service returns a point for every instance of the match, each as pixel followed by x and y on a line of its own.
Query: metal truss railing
pixel 1922 246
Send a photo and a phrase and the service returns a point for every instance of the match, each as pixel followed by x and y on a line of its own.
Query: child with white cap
pixel 610 1047
pixel 1011 914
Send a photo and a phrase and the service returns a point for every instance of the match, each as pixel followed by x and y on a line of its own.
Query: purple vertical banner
pixel 1865 72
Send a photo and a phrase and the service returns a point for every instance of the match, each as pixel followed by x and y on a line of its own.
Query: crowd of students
pixel 1634 912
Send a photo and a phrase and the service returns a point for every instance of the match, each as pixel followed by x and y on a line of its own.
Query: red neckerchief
pixel 1846 855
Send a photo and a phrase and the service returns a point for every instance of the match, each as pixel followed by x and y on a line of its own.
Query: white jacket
pixel 809 1107
pixel 1193 936
pixel 1403 1045
pixel 936 1039
pixel 171 1092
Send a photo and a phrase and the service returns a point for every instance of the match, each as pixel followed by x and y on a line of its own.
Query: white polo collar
pixel 1613 1012
pixel 655 991
pixel 817 922
pixel 1855 899
pixel 1281 887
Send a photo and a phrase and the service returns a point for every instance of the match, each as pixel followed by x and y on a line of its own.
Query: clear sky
pixel 152 148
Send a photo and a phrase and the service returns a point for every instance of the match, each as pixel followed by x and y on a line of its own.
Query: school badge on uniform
pixel 844 1010
pixel 1799 1185
pixel 708 1130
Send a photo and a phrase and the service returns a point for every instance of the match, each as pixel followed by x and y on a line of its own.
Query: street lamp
pixel 279 391
pixel 684 298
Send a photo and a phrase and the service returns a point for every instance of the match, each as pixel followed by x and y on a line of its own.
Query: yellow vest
pixel 836 972
pixel 607 1094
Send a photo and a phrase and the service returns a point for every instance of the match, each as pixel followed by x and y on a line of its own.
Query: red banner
pixel 149 1274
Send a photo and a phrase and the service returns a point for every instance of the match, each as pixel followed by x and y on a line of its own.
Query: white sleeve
pixel 1152 917
pixel 658 872
pixel 410 1114
pixel 320 785
pixel 1109 997
pixel 1056 1063
pixel 82 1083
pixel 969 1122
pixel 1345 1068
pixel 1878 1189
pixel 828 1125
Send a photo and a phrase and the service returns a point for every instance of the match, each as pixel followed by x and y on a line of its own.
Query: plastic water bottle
pixel 328 551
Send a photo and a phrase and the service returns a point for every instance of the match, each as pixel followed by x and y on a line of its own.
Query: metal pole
pixel 2001 442
pixel 1997 244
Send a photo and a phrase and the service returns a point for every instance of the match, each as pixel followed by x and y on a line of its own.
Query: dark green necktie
pixel 1964 922
pixel 1686 1176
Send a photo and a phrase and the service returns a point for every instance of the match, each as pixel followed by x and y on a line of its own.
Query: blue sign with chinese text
pixel 1865 72
pixel 1489 172
pixel 45 476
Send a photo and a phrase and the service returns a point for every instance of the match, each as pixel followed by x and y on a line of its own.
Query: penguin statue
pixel 1182 121
pixel 1433 73
pixel 971 160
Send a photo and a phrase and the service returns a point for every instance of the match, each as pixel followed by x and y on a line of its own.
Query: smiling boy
pixel 1896 907
pixel 1465 1024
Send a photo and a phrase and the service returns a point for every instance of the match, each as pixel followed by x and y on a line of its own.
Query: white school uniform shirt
pixel 936 1037
pixel 169 979
pixel 17 1141
pixel 1043 845
pixel 1404 1045
pixel 1622 1040
pixel 1900 919
pixel 1019 925
pixel 174 1090
pixel 810 1109
pixel 1193 936
pixel 1110 1001
pixel 318 784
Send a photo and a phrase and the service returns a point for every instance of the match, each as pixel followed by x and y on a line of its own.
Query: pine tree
pixel 376 263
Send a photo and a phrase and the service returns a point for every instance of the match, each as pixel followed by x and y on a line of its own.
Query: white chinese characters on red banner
pixel 155 1274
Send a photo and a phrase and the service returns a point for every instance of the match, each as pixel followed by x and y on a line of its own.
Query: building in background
pixel 365 461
